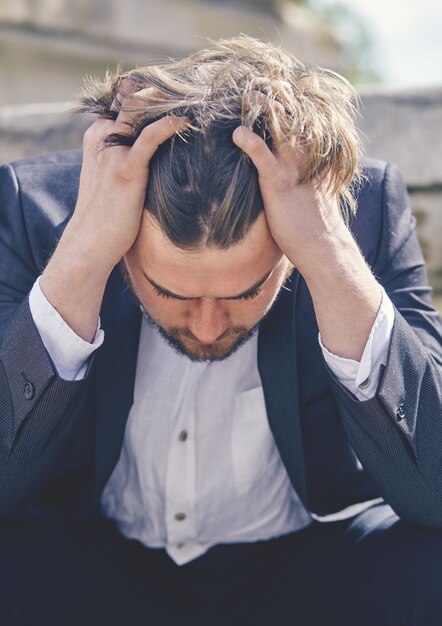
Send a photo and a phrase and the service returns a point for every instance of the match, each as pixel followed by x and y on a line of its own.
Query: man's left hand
pixel 299 215
pixel 305 221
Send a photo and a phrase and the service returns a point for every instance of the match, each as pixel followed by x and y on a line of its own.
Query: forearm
pixel 74 282
pixel 346 296
pixel 41 415
pixel 397 434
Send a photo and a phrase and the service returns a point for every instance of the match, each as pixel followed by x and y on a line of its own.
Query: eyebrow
pixel 239 296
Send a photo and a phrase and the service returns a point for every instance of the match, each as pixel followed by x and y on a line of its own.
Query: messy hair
pixel 203 190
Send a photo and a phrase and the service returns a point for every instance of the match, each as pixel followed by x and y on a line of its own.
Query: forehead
pixel 206 271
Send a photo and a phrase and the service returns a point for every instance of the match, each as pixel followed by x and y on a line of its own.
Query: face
pixel 207 302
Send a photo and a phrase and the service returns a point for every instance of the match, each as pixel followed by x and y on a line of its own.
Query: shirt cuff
pixel 68 351
pixel 362 378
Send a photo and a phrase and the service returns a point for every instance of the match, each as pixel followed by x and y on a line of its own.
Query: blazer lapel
pixel 277 366
pixel 116 368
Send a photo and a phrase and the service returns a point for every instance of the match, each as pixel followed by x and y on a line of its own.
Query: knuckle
pixel 147 93
pixel 94 133
pixel 116 103
pixel 126 87
pixel 135 102
pixel 154 132
pixel 123 168
pixel 125 101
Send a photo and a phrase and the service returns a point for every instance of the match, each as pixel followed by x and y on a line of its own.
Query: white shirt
pixel 198 464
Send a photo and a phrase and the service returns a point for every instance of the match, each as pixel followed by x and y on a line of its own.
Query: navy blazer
pixel 60 440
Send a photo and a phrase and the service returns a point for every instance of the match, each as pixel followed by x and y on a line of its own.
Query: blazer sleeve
pixel 397 435
pixel 39 411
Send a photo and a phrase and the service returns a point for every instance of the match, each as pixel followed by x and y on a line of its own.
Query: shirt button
pixel 29 391
pixel 180 517
pixel 364 383
pixel 180 545
pixel 183 435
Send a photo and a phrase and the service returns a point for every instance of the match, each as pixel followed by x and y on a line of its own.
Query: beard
pixel 176 337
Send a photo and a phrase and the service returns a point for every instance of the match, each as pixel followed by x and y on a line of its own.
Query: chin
pixel 200 352
pixel 209 352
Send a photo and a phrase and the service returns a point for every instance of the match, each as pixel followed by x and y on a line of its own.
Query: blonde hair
pixel 204 190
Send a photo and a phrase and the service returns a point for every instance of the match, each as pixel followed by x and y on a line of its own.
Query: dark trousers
pixel 372 570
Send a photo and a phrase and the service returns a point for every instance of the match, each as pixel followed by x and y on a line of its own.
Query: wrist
pixel 345 294
pixel 74 281
pixel 82 249
pixel 325 253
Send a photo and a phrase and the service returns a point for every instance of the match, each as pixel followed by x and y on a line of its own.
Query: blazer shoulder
pixel 50 159
pixel 48 171
pixel 369 194
pixel 45 190
pixel 374 169
pixel 54 171
pixel 367 223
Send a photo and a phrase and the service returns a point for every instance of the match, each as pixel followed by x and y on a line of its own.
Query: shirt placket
pixel 181 474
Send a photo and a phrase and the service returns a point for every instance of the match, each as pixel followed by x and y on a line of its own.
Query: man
pixel 217 460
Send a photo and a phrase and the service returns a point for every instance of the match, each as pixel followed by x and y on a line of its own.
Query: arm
pixel 69 353
pixel 362 377
pixel 41 413
pixel 397 435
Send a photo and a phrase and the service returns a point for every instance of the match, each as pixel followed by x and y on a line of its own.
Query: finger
pixel 132 106
pixel 292 156
pixel 273 111
pixel 268 105
pixel 153 136
pixel 256 148
pixel 258 104
pixel 131 103
pixel 93 137
pixel 126 89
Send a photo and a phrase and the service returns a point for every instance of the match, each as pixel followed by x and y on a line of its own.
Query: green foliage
pixel 348 26
pixel 354 35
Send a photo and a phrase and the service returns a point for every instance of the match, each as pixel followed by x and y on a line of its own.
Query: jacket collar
pixel 277 364
pixel 116 367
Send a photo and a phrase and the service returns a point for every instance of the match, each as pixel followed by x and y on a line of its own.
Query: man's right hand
pixel 113 180
pixel 107 217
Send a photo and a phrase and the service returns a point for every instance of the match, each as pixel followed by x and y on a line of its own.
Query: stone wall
pixel 405 128
pixel 48 46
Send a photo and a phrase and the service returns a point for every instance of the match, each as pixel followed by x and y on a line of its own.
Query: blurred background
pixel 391 50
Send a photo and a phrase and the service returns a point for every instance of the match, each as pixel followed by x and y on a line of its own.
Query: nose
pixel 207 320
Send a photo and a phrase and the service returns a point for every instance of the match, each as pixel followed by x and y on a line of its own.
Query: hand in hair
pixel 306 223
pixel 114 178
pixel 298 213
pixel 107 217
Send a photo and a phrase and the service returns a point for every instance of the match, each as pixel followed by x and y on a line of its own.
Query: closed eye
pixel 164 294
pixel 249 296
pixel 246 296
